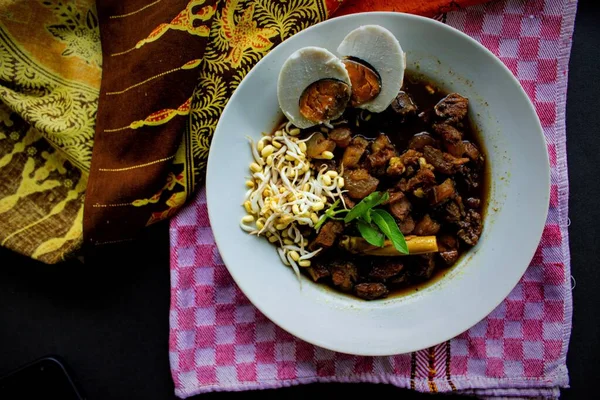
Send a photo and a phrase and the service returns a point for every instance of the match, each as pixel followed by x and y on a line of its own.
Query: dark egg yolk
pixel 324 99
pixel 366 83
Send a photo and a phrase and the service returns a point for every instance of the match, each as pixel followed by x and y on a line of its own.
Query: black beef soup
pixel 372 204
pixel 424 153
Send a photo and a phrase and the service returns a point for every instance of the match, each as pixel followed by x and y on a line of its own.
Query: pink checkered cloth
pixel 219 341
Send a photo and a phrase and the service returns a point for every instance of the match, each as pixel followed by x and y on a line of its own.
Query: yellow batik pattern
pixel 41 193
pixel 243 32
pixel 50 68
pixel 62 111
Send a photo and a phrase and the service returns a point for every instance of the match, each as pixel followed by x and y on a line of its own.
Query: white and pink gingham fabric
pixel 219 341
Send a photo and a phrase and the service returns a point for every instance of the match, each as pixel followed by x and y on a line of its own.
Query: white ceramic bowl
pixel 515 216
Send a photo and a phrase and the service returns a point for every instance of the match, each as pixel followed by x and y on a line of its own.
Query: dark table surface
pixel 109 318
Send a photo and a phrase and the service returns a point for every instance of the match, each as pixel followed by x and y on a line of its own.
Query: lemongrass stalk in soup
pixel 415 244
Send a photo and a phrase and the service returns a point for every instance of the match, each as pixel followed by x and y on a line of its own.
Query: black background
pixel 109 317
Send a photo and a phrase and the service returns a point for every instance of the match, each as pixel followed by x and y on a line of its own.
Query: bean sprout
pixel 287 195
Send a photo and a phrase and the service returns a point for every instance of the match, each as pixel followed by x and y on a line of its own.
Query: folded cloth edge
pixel 566 39
pixel 511 388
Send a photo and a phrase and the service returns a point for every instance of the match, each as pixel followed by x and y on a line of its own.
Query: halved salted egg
pixel 376 63
pixel 313 87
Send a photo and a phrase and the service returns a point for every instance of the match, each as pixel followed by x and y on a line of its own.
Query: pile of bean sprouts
pixel 285 194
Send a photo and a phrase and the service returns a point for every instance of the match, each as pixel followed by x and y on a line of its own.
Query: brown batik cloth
pixel 142 171
pixel 153 130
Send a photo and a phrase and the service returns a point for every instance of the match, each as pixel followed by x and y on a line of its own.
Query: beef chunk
pixel 452 108
pixel 395 167
pixel 426 227
pixel 470 176
pixel 348 201
pixel 472 152
pixel 447 242
pixel 448 133
pixel 327 235
pixel 402 278
pixel 359 183
pixel 370 291
pixel 473 202
pixel 420 140
pixel 442 192
pixel 341 136
pixel 354 152
pixel 382 151
pixel 423 267
pixel 456 161
pixel 452 139
pixel 381 142
pixel 377 172
pixel 452 212
pixel 403 105
pixel 400 208
pixel 449 257
pixel 410 157
pixel 436 158
pixel 423 178
pixel 470 228
pixel 344 275
pixel 317 144
pixel 394 197
pixel 455 149
pixel 405 163
pixel 407 225
pixel 448 249
pixel 464 148
pixel 443 162
pixel 318 270
pixel 385 269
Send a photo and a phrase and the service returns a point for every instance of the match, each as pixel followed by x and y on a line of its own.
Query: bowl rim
pixel 213 218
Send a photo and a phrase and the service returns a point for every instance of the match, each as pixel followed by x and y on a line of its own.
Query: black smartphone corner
pixel 46 378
